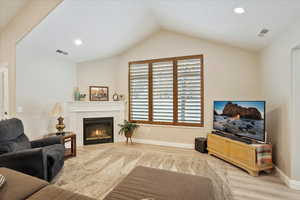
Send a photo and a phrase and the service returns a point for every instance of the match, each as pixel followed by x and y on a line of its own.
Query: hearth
pixel 98 130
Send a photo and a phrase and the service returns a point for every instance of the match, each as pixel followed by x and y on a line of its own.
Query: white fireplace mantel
pixel 77 111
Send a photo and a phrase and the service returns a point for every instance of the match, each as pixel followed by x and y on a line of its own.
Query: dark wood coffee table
pixel 67 137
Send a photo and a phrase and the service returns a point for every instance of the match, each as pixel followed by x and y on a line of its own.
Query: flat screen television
pixel 241 118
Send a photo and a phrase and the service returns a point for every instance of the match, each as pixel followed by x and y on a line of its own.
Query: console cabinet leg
pixel 253 173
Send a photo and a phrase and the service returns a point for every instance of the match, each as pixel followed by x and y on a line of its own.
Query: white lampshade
pixel 57 110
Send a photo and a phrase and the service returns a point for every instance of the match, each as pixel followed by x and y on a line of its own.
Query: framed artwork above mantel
pixel 99 93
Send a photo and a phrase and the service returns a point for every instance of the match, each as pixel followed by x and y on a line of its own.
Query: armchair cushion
pixel 18 144
pixel 46 141
pixel 12 137
pixel 11 129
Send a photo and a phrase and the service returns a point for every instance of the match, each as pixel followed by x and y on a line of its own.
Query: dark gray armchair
pixel 40 158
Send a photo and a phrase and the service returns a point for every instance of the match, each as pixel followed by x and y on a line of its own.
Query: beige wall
pixel 230 73
pixel 98 73
pixel 276 82
pixel 20 25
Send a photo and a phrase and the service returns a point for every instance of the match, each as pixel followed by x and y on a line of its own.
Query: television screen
pixel 242 118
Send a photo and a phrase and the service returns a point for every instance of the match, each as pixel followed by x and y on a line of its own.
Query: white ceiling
pixel 109 27
pixel 8 9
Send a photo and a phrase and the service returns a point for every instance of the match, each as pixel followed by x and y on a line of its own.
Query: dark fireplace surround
pixel 98 130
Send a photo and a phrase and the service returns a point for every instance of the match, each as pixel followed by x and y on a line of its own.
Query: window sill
pixel 170 126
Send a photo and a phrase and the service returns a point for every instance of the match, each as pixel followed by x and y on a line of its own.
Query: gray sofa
pixel 40 158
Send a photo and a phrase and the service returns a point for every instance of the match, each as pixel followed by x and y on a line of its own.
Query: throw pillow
pixel 2 180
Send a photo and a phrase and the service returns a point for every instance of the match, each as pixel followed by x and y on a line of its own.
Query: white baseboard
pixel 293 184
pixel 162 143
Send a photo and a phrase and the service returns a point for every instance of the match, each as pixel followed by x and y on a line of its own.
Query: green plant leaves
pixel 127 127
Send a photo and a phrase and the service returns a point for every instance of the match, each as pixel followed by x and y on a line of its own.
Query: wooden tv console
pixel 238 153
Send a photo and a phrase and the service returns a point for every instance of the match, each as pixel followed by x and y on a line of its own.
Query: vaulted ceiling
pixel 109 27
pixel 8 9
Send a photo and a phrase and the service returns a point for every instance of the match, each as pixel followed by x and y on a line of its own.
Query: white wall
pixel 41 82
pixel 276 82
pixel 26 19
pixel 229 73
pixel 97 73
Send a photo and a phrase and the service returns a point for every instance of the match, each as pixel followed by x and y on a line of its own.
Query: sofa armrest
pixel 30 161
pixel 46 141
pixel 19 185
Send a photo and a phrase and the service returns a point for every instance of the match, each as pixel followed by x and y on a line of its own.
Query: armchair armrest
pixel 29 161
pixel 46 141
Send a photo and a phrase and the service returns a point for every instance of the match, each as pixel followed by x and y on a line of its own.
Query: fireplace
pixel 98 130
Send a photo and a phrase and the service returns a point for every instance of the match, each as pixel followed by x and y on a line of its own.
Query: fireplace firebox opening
pixel 98 130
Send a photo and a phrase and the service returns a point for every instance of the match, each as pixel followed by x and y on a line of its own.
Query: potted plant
pixel 127 129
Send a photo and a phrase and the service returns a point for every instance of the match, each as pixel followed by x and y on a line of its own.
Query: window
pixel 167 91
pixel 139 92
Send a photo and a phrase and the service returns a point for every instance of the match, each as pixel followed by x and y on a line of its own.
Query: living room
pixel 78 60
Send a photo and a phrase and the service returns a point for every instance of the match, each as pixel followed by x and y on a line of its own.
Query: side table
pixel 67 137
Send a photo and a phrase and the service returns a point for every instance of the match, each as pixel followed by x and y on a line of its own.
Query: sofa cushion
pixel 19 186
pixel 54 193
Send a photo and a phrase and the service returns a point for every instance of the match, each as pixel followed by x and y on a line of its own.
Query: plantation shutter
pixel 162 77
pixel 189 90
pixel 139 92
pixel 167 91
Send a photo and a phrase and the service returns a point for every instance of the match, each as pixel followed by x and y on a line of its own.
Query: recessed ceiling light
pixel 78 42
pixel 239 10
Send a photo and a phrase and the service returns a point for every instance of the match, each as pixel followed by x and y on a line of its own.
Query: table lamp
pixel 57 112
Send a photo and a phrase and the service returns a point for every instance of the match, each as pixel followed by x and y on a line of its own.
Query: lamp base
pixel 60 126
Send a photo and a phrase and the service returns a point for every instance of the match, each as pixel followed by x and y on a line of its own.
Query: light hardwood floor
pixel 99 168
